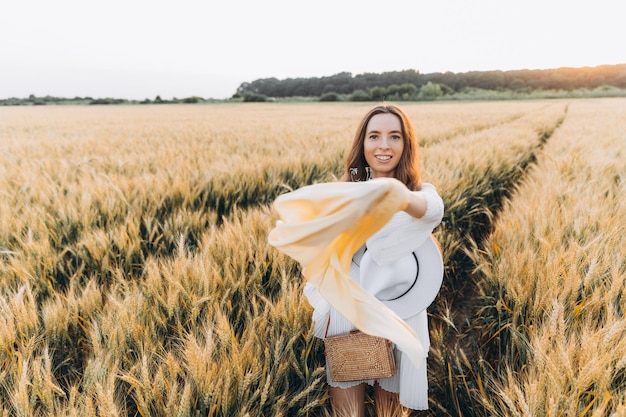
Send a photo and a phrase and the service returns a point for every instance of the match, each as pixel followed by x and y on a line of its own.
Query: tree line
pixel 405 85
pixel 410 84
pixel 34 100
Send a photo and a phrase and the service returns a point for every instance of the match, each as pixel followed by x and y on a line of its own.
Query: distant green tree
pixel 392 92
pixel 360 95
pixel 517 85
pixel 378 93
pixel 407 91
pixel 251 97
pixel 192 99
pixel 430 91
pixel 331 96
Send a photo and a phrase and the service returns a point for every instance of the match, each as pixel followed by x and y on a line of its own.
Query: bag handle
pixel 327 325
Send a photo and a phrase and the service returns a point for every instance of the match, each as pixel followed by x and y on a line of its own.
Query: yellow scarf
pixel 321 226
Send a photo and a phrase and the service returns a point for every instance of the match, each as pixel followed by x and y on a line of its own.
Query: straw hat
pixel 408 285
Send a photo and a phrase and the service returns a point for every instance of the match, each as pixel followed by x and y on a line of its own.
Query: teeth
pixel 383 158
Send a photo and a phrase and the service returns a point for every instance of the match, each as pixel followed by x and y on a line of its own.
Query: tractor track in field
pixel 459 303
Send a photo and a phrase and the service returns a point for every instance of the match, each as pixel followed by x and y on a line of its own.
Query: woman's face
pixel 383 144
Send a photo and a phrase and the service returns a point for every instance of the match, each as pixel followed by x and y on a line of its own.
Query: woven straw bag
pixel 356 356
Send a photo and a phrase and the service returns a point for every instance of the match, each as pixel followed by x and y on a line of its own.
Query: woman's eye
pixel 396 137
pixel 373 137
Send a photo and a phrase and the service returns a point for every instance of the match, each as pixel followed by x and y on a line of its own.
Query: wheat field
pixel 136 278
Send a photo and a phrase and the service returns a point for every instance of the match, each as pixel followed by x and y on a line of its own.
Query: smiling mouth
pixel 383 157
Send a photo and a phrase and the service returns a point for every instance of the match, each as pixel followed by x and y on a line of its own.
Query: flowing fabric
pixel 321 226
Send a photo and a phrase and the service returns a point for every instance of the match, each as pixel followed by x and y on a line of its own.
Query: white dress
pixel 410 382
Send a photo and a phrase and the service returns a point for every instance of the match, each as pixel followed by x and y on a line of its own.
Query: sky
pixel 137 49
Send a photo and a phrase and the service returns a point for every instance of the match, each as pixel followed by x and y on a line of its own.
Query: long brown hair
pixel 408 169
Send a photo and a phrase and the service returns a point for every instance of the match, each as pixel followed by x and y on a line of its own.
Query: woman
pixel 386 146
